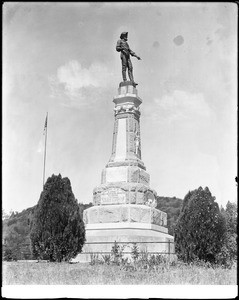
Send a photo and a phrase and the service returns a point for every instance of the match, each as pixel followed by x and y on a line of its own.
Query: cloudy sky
pixel 60 58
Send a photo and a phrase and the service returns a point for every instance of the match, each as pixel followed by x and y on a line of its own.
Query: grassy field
pixel 15 273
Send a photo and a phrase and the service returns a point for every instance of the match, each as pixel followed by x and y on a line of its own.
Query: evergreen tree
pixel 231 217
pixel 171 206
pixel 8 254
pixel 200 230
pixel 57 231
pixel 228 253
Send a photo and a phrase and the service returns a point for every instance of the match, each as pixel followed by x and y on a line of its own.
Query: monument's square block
pixel 149 238
pixel 130 213
pixel 124 193
pixel 125 174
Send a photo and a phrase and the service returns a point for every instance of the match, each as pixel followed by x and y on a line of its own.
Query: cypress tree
pixel 200 230
pixel 57 229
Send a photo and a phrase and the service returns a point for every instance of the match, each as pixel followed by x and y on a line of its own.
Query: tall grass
pixel 105 274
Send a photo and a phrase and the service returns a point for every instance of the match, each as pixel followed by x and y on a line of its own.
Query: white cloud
pixel 183 106
pixel 79 84
pixel 75 77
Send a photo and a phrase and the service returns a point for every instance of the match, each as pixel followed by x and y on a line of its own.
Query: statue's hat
pixel 124 34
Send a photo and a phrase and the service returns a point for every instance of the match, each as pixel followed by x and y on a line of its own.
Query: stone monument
pixel 124 203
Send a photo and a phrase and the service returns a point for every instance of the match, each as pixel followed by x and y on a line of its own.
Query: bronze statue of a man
pixel 123 47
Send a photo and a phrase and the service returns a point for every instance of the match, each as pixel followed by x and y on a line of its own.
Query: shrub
pixel 95 259
pixel 106 258
pixel 8 255
pixel 228 253
pixel 135 252
pixel 57 230
pixel 200 230
pixel 117 253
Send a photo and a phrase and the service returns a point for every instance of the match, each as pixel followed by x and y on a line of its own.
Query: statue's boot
pixel 131 78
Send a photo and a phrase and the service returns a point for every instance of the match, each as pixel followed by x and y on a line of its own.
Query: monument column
pixel 126 146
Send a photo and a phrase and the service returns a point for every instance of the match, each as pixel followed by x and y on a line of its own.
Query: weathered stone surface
pixel 145 216
pixel 158 217
pixel 103 176
pixel 123 89
pixel 140 214
pixel 127 99
pixel 113 196
pixel 131 124
pixel 90 216
pixel 120 151
pixel 132 198
pixel 133 174
pixel 144 177
pixel 131 161
pixel 131 141
pixel 127 88
pixel 113 193
pixel 121 185
pixel 109 214
pixel 106 214
pixel 124 213
pixel 116 174
pixel 136 174
pixel 164 217
pixel 96 199
pixel 139 198
pixel 130 89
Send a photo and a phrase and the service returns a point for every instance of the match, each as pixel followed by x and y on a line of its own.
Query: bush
pixel 226 257
pixel 57 231
pixel 135 252
pixel 200 230
pixel 139 261
pixel 228 253
pixel 117 253
pixel 8 255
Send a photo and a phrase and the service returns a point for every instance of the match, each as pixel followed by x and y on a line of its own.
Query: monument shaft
pixel 124 180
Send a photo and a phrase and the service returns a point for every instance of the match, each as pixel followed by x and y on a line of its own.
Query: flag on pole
pixel 45 127
pixel 45 133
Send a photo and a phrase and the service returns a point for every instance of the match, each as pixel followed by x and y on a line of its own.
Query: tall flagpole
pixel 45 132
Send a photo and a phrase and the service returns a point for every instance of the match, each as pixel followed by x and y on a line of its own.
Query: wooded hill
pixel 172 207
pixel 16 228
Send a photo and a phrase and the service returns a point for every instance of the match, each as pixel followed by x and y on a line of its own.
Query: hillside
pixel 172 207
pixel 16 232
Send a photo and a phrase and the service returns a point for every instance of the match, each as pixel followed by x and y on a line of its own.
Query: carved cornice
pixel 127 108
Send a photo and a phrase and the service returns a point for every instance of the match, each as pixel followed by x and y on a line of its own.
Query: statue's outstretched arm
pixel 133 54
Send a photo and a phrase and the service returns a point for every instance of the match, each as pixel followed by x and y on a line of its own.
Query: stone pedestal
pixel 124 204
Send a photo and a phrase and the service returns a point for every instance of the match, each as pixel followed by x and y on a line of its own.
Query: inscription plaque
pixel 113 197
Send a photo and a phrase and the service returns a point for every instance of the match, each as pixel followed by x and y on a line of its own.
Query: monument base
pixel 100 239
